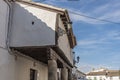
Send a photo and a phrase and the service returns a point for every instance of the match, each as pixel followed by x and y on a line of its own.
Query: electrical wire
pixel 40 1
pixel 90 17
pixel 93 17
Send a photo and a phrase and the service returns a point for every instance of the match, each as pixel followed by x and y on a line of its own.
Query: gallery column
pixel 52 70
pixel 52 65
pixel 64 73
pixel 70 74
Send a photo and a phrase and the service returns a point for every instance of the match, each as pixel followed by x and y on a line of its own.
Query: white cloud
pixel 84 3
pixel 100 40
pixel 108 12
pixel 113 35
pixel 100 9
pixel 104 12
pixel 93 43
pixel 85 67
pixel 113 58
pixel 90 42
pixel 105 16
pixel 111 16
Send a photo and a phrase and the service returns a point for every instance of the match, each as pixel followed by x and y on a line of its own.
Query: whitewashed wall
pixel 116 78
pixel 10 67
pixel 97 77
pixel 4 12
pixel 6 60
pixel 41 33
pixel 23 66
pixel 63 43
pixel 103 77
pixel 7 65
pixel 18 68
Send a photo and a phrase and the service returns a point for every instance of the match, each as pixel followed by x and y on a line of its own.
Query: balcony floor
pixel 39 54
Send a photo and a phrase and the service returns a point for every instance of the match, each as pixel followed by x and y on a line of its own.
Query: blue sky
pixel 98 42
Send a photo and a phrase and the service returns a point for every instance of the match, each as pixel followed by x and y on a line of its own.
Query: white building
pixel 104 74
pixel 78 75
pixel 35 40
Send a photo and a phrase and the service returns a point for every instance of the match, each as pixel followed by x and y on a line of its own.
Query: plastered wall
pixel 4 12
pixel 23 66
pixel 63 43
pixel 6 60
pixel 32 26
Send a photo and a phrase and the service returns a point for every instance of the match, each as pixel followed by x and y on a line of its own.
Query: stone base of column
pixel 64 74
pixel 69 74
pixel 52 70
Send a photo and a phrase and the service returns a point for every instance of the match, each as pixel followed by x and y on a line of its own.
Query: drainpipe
pixel 9 3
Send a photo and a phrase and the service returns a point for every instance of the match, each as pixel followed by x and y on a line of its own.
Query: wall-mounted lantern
pixel 74 59
pixel 78 59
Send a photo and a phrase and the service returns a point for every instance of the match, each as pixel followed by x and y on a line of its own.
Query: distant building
pixel 104 74
pixel 78 75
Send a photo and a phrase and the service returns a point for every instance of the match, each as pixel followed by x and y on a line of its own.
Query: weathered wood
pixel 53 55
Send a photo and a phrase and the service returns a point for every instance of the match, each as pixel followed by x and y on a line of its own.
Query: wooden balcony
pixel 35 28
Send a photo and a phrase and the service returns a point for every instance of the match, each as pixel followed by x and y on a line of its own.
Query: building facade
pixel 36 41
pixel 78 75
pixel 104 74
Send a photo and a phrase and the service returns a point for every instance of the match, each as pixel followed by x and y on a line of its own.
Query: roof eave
pixel 44 6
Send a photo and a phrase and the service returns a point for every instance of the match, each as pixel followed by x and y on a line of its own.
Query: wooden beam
pixel 51 51
pixel 41 6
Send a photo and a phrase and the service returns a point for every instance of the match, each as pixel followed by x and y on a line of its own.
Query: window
pixel 111 78
pixel 89 78
pixel 95 78
pixel 33 74
pixel 100 78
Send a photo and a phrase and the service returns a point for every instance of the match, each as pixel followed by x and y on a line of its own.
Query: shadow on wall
pixel 28 29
